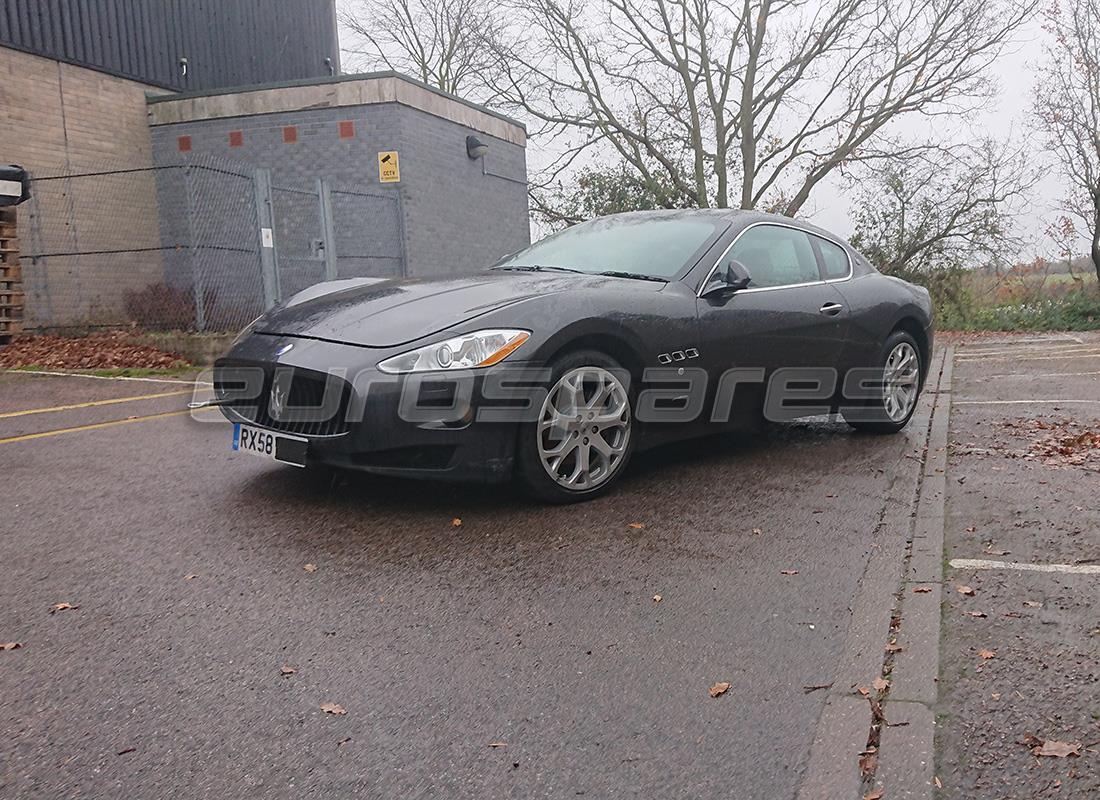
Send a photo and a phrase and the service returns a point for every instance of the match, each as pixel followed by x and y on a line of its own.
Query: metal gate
pixel 202 245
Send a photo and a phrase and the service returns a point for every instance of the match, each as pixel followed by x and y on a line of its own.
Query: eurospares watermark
pixel 506 394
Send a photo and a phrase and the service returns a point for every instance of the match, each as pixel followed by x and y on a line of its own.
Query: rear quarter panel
pixel 878 304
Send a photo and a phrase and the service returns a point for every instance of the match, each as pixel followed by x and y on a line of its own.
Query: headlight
pixel 478 349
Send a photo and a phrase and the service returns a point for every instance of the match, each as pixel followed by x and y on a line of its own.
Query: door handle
pixel 831 309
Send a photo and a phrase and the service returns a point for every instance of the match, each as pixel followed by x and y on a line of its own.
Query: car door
pixel 789 316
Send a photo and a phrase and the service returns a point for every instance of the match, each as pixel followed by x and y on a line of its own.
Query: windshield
pixel 631 246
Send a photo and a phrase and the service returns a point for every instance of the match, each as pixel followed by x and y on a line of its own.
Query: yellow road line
pixel 92 403
pixel 96 425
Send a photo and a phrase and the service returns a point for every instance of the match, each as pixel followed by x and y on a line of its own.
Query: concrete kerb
pixel 906 766
pixel 842 730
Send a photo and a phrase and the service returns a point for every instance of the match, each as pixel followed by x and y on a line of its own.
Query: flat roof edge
pixel 360 76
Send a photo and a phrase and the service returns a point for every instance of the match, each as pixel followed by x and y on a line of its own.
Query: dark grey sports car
pixel 555 365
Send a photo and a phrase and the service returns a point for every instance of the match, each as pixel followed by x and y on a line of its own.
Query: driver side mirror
pixel 733 278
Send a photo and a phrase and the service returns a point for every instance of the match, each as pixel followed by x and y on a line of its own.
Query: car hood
pixel 393 312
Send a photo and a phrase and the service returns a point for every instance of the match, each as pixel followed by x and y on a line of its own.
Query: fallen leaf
pixel 498 744
pixel 788 572
pixel 333 708
pixel 1032 604
pixel 970 529
pixel 922 589
pixel 637 525
pixel 310 567
pixel 893 647
pixel 10 645
pixel 867 762
pixel 719 689
pixel 456 522
pixel 881 684
pixel 285 670
pixel 987 654
pixel 875 795
pixel 657 598
pixel 757 531
pixel 978 614
pixel 190 577
pixel 1057 749
pixel 863 690
pixel 938 782
pixel 63 607
pixel 961 589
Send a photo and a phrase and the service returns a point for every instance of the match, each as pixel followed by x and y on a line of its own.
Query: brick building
pixel 107 123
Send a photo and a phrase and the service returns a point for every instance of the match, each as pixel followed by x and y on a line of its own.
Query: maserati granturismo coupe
pixel 555 365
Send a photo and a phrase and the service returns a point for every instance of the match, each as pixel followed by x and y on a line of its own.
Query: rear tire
pixel 584 434
pixel 902 381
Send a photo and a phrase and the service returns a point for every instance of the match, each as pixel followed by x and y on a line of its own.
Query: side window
pixel 834 258
pixel 776 256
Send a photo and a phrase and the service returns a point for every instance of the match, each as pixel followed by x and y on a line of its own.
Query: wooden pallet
pixel 12 299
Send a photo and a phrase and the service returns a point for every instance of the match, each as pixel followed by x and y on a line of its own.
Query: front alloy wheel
pixel 584 428
pixel 582 438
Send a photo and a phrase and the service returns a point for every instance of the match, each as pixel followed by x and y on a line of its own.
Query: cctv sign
pixel 388 171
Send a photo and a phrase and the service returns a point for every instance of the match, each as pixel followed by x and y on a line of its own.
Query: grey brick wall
pixel 455 217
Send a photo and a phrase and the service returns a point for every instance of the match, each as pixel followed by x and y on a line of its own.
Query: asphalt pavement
pixel 473 643
pixel 1021 643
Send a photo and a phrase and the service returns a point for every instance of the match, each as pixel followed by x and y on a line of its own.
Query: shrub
pixel 162 307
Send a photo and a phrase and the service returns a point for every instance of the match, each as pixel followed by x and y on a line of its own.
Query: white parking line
pixel 1042 375
pixel 1036 401
pixel 973 355
pixel 1060 340
pixel 1017 357
pixel 981 563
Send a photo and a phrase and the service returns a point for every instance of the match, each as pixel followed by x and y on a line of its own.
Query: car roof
pixel 740 217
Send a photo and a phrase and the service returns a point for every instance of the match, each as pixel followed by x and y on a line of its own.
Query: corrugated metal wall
pixel 226 42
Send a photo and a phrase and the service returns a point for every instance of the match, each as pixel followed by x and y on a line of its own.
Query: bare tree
pixel 941 215
pixel 942 208
pixel 441 42
pixel 749 103
pixel 1067 106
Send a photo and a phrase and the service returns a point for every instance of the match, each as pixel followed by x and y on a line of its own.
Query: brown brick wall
pixel 61 119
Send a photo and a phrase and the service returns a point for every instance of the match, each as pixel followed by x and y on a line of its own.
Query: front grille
pixel 307 410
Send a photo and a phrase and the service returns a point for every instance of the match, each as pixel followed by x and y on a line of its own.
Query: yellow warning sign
pixel 388 171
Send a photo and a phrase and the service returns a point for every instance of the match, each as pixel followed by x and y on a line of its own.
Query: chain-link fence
pixel 202 245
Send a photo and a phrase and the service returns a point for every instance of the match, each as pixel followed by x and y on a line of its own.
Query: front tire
pixel 584 434
pixel 902 374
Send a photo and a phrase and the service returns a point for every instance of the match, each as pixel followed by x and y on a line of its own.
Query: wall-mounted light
pixel 475 148
pixel 183 67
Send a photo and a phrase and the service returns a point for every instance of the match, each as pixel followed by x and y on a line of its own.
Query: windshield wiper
pixel 612 273
pixel 535 268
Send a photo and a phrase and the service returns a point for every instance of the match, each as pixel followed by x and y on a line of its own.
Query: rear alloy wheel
pixel 901 386
pixel 582 437
pixel 902 382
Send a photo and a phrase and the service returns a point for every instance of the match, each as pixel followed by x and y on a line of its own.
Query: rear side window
pixel 776 256
pixel 834 258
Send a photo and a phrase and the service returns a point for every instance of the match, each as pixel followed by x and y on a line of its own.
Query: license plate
pixel 276 446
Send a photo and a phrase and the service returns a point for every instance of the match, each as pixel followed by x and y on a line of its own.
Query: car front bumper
pixel 375 432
